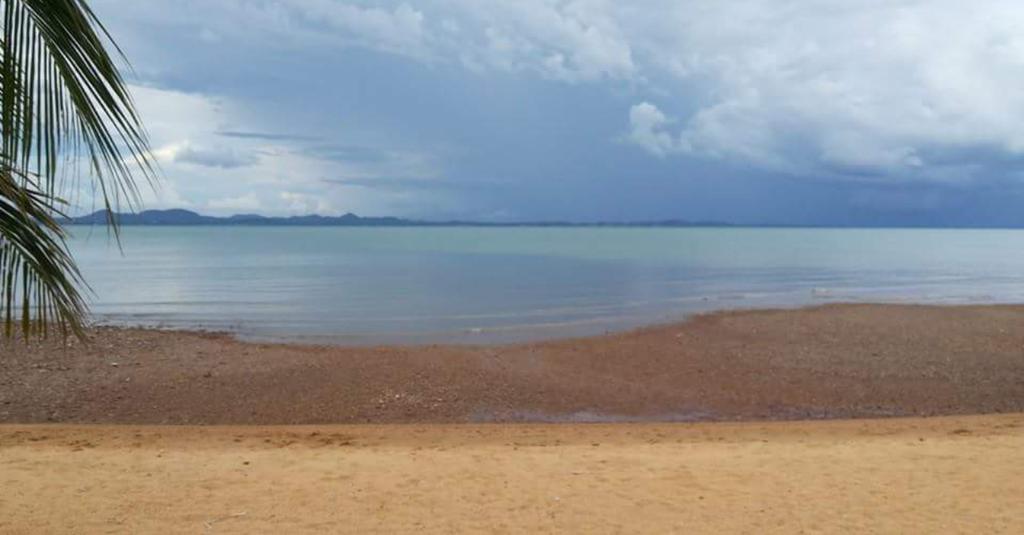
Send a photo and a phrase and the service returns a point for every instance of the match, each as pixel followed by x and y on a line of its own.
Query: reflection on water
pixel 368 285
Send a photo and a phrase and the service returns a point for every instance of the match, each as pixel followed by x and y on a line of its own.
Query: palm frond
pixel 39 278
pixel 65 112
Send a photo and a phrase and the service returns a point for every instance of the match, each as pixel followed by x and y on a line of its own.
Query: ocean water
pixel 469 285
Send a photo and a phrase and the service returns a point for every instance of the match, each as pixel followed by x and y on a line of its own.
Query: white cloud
pixel 649 129
pixel 211 149
pixel 219 156
pixel 245 203
pixel 841 88
pixel 223 157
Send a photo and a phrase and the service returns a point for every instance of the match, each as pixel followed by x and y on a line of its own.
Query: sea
pixel 423 285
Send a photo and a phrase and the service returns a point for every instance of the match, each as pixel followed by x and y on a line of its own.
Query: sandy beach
pixel 934 475
pixel 549 266
pixel 836 361
pixel 464 461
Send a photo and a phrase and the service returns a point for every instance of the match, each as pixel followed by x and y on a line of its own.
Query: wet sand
pixel 836 361
pixel 960 474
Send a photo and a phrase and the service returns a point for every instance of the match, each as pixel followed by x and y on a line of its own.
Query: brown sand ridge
pixel 830 361
pixel 962 474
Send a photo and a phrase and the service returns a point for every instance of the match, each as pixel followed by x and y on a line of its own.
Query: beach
pixel 935 475
pixel 366 266
pixel 604 434
pixel 834 361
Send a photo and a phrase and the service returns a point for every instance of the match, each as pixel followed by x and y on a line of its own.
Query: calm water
pixel 368 285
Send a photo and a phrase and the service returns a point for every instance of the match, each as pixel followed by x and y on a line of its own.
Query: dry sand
pixel 828 362
pixel 938 475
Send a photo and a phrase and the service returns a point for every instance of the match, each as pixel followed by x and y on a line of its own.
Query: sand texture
pixel 961 474
pixel 836 361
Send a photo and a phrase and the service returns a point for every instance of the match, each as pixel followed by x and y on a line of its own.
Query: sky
pixel 820 112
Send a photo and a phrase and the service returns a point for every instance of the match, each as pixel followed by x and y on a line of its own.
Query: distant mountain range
pixel 186 217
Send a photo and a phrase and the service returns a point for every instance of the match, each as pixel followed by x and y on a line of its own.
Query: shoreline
pixel 523 334
pixel 455 338
pixel 829 361
pixel 960 474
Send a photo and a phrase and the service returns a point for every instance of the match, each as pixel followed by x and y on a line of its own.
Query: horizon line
pixel 255 219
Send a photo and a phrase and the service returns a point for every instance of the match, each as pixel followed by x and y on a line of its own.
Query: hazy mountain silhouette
pixel 186 217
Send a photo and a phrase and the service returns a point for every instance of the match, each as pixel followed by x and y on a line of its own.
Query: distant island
pixel 187 217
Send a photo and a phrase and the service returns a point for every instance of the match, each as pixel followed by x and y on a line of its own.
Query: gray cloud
pixel 265 136
pixel 417 184
pixel 808 88
pixel 755 110
pixel 352 153
pixel 224 158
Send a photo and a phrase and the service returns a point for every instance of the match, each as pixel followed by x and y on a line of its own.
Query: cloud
pixel 649 129
pixel 370 162
pixel 839 89
pixel 304 203
pixel 209 151
pixel 222 157
pixel 377 104
pixel 824 88
pixel 570 41
pixel 898 201
pixel 398 29
pixel 418 184
pixel 245 203
pixel 268 136
pixel 357 153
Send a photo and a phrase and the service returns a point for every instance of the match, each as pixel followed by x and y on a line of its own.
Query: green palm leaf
pixel 65 114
